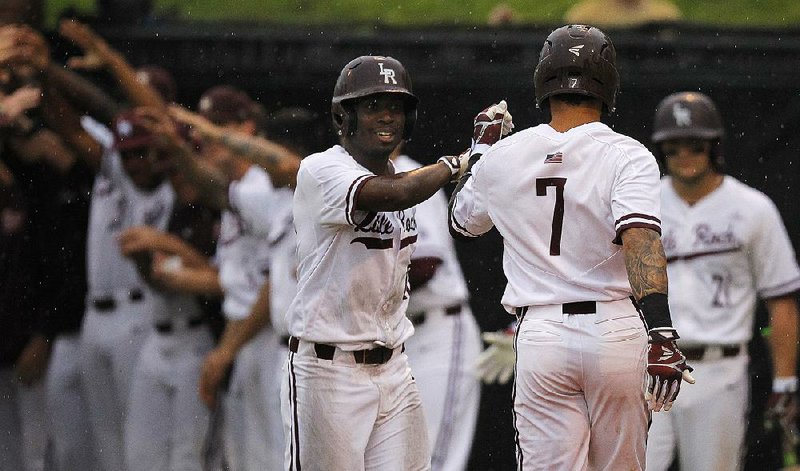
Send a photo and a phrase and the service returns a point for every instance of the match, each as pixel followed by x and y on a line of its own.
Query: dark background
pixel 751 74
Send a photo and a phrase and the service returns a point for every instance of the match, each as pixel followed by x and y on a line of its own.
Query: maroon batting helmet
pixel 690 115
pixel 579 60
pixel 224 104
pixel 370 75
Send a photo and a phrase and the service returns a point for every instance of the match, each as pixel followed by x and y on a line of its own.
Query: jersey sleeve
pixel 636 194
pixel 772 255
pixel 254 201
pixel 339 184
pixel 469 212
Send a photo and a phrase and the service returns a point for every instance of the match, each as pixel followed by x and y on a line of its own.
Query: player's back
pixel 559 200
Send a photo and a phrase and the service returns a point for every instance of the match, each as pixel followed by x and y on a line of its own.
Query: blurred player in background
pixel 573 201
pixel 726 247
pixel 446 340
pixel 252 201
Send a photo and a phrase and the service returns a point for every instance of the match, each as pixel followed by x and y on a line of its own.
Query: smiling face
pixel 381 120
pixel 688 160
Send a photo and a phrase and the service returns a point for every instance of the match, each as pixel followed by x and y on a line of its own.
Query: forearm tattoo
pixel 645 262
pixel 245 147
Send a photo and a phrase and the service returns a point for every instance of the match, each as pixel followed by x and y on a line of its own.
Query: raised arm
pixel 99 54
pixel 278 161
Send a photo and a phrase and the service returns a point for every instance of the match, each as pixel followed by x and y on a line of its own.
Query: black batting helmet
pixel 577 59
pixel 369 75
pixel 690 115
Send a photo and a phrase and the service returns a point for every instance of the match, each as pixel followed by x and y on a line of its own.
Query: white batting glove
pixel 456 163
pixel 490 125
pixel 496 363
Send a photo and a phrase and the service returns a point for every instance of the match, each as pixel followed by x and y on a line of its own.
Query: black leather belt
pixel 582 307
pixel 372 356
pixel 168 327
pixel 698 352
pixel 108 303
pixel 420 318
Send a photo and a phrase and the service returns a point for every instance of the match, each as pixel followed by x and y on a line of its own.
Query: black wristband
pixel 655 310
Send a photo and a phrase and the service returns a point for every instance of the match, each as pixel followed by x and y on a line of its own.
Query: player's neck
pixel 692 191
pixel 564 117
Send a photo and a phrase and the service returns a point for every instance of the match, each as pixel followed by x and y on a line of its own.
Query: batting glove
pixel 496 363
pixel 491 125
pixel 456 163
pixel 666 368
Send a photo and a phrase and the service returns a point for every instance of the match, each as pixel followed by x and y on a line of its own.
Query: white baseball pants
pixel 441 354
pixel 579 389
pixel 23 435
pixel 340 415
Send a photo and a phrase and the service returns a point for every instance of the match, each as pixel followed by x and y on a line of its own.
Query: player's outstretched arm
pixel 99 54
pixel 237 333
pixel 647 272
pixel 278 161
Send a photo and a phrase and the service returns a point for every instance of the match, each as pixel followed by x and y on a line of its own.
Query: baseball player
pixel 349 400
pixel 574 203
pixel 726 246
pixel 127 193
pixel 251 202
pixel 446 340
pixel 166 423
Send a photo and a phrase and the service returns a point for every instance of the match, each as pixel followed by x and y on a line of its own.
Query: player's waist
pixel 428 315
pixel 111 300
pixel 578 307
pixel 604 309
pixel 371 356
pixel 711 351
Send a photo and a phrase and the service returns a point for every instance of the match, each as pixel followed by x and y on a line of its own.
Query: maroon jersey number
pixel 558 210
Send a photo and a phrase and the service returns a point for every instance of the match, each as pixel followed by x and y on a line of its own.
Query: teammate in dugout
pixel 349 400
pixel 726 246
pixel 575 205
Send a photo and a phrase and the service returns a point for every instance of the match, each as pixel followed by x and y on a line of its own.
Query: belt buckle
pixel 713 352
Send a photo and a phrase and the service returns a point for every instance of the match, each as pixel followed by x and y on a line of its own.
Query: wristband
pixel 784 384
pixel 655 310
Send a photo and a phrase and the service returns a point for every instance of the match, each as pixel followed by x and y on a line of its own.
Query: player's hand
pixel 213 375
pixel 666 369
pixel 139 239
pixel 496 363
pixel 456 163
pixel 32 362
pixel 490 126
pixel 96 50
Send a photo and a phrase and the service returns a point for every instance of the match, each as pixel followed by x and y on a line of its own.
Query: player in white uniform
pixel 127 193
pixel 446 340
pixel 574 203
pixel 349 400
pixel 726 247
pixel 250 201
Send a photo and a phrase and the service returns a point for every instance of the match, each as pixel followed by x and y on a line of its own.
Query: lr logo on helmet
pixel 388 74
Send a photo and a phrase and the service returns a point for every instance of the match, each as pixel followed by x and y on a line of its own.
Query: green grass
pixel 428 12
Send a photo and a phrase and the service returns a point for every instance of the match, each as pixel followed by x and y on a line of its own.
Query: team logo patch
pixel 556 158
pixel 388 74
pixel 682 115
pixel 576 50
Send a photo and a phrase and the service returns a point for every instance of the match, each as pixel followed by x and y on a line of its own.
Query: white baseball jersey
pixel 352 272
pixel 283 270
pixel 447 287
pixel 245 230
pixel 118 204
pixel 723 253
pixel 561 201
